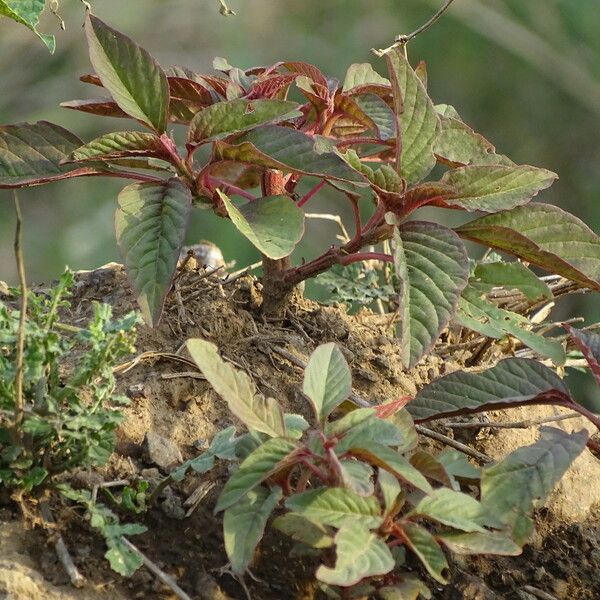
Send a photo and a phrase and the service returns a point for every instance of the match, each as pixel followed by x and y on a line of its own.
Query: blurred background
pixel 526 74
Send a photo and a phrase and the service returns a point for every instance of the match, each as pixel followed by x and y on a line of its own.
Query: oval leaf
pixel 304 530
pixel 336 507
pixel 417 118
pixel 452 508
pixel 544 235
pixel 28 14
pixel 33 153
pixel 423 544
pixel 238 390
pixel 392 461
pixel 513 381
pixel 278 147
pixel 432 270
pixel 495 187
pixel 234 116
pixel 513 276
pixel 274 224
pixel 134 79
pixel 480 543
pixel 268 458
pixel 327 379
pixel 150 222
pixel 244 525
pixel 485 317
pixel 359 554
pixel 120 144
pixel 509 488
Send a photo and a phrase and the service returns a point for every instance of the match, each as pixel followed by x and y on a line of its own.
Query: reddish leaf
pixel 32 154
pixel 275 86
pixel 104 107
pixel 589 344
pixel 544 235
pixel 310 71
pixel 385 411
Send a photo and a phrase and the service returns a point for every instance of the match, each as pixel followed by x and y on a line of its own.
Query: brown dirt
pixel 170 399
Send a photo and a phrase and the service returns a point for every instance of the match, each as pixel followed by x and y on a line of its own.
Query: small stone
pixel 367 375
pixel 161 451
pixel 137 390
pixel 540 574
pixel 383 362
pixel 152 475
pixel 172 507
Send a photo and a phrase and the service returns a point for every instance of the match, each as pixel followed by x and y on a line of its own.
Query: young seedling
pixel 352 486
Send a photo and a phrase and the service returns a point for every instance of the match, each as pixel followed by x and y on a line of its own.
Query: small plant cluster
pixel 356 491
pixel 68 420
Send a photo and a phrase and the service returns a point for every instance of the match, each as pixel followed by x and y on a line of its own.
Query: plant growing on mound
pixel 68 420
pixel 248 150
pixel 355 490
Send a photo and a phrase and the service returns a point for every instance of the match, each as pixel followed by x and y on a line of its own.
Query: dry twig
pixel 76 578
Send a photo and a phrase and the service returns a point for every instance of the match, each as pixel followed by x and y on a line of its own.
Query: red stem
pixel 310 194
pixel 360 256
pixel 130 175
pixel 230 188
pixel 315 470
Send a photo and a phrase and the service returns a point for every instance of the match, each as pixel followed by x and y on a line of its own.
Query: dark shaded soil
pixel 170 399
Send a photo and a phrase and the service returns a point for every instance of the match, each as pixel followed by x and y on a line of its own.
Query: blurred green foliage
pixel 525 74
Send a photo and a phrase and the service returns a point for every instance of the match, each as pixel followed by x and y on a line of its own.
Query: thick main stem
pixel 276 291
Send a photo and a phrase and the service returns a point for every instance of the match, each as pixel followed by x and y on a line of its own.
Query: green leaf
pixel 233 116
pixel 423 544
pixel 380 113
pixel 151 222
pixel 495 187
pixel 390 490
pixel 382 431
pixel 274 224
pixel 295 425
pixel 121 144
pixel 544 235
pixel 350 420
pixel 359 554
pixel 273 455
pixel 336 507
pixel 123 559
pixel 361 74
pixel 278 147
pixel 390 460
pixel 432 269
pixel 418 120
pixel 223 446
pixel 479 314
pixel 327 380
pixel 509 488
pixel 452 508
pixel 458 465
pixel 513 381
pixel 458 144
pixel 27 12
pixel 480 543
pixel 513 275
pixel 410 589
pixel 357 476
pixel 588 343
pixel 244 525
pixel 33 153
pixel 303 530
pixel 134 79
pixel 238 390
